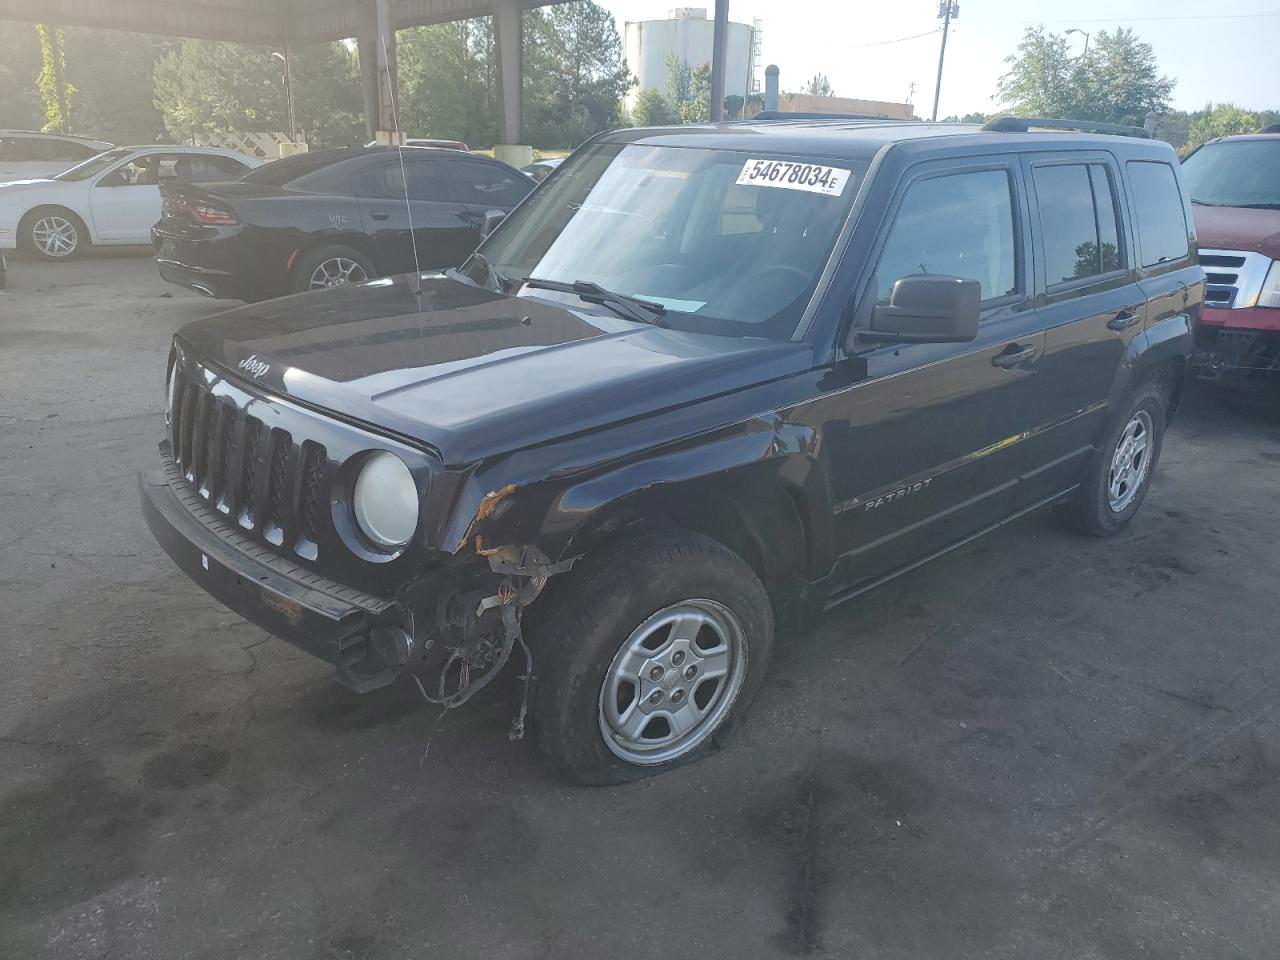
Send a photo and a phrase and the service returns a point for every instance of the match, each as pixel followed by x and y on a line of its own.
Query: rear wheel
pixel 649 654
pixel 327 267
pixel 53 233
pixel 1120 473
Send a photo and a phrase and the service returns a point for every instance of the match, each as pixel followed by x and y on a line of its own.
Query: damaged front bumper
pixel 365 637
pixel 1237 344
pixel 466 621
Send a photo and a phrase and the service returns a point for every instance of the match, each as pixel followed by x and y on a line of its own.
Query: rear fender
pixel 1165 345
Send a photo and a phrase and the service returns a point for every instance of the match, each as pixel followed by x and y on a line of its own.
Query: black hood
pixel 471 372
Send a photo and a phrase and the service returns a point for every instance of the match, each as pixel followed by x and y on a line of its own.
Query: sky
pixel 1233 57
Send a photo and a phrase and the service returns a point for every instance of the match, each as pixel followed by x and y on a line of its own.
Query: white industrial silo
pixel 687 33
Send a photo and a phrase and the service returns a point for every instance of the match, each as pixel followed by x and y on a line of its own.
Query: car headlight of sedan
pixel 1269 296
pixel 385 500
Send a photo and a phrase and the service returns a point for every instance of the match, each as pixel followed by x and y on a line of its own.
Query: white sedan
pixel 113 198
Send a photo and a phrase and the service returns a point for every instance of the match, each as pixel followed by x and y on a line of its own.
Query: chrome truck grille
pixel 1233 277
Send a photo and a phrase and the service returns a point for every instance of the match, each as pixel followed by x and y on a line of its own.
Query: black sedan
pixel 330 217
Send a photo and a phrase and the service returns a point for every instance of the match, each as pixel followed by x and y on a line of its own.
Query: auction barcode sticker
pixel 789 175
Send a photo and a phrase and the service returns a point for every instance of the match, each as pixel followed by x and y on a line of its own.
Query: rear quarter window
pixel 1161 220
pixel 488 184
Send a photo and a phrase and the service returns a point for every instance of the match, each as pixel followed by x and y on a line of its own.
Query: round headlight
pixel 386 500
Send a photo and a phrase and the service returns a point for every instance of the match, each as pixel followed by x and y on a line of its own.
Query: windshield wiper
pixel 629 308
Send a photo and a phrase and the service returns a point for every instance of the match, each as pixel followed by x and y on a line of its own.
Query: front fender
pixel 565 516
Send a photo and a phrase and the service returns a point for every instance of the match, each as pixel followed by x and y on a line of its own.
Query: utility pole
pixel 286 61
pixel 719 34
pixel 946 10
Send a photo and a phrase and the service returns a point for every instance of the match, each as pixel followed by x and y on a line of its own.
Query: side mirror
pixel 924 308
pixel 490 222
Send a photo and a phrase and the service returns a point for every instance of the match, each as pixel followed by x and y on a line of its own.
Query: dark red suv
pixel 1235 189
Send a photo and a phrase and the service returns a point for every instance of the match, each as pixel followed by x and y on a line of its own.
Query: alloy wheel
pixel 55 236
pixel 335 272
pixel 1130 462
pixel 672 682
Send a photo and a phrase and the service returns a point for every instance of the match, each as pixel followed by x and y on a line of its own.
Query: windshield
pixel 1236 173
pixel 729 243
pixel 94 165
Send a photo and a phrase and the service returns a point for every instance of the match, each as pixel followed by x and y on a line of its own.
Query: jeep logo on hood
pixel 253 366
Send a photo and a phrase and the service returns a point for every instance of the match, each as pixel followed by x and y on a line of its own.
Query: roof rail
pixel 801 115
pixel 1025 124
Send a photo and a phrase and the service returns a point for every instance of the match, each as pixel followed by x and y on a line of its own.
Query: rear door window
pixel 426 181
pixel 1078 221
pixel 956 225
pixel 1162 224
pixel 488 184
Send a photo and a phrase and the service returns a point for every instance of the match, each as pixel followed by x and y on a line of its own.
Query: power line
pixel 881 43
pixel 1216 16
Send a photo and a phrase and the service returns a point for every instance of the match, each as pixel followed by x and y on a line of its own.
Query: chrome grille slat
pixel 271 485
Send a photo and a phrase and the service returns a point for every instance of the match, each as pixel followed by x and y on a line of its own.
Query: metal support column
pixel 508 24
pixel 386 57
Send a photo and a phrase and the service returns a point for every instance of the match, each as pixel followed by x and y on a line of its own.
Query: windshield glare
pixel 684 228
pixel 94 165
pixel 1240 173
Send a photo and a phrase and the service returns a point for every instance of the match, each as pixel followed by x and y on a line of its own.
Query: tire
pixel 674 599
pixel 341 264
pixel 54 233
pixel 1100 508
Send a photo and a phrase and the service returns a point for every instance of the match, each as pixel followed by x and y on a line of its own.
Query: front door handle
pixel 1012 355
pixel 1124 319
pixel 380 216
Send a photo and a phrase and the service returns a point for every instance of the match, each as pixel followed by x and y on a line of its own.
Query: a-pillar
pixel 508 22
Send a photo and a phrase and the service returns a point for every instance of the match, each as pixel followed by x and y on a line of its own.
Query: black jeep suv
pixel 702 384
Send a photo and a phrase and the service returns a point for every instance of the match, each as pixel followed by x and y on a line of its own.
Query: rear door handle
pixel 1012 355
pixel 380 216
pixel 1123 319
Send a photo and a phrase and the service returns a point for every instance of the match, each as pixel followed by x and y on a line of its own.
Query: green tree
pixel 449 81
pixel 205 89
pixel 575 74
pixel 111 72
pixel 55 92
pixel 1041 81
pixel 679 77
pixel 1116 82
pixel 818 86
pixel 652 110
pixel 1220 120
pixel 1121 80
pixel 20 105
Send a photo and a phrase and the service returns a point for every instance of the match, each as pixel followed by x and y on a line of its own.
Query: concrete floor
pixel 1043 746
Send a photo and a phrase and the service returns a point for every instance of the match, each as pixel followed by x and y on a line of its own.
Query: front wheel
pixel 1119 475
pixel 649 654
pixel 54 234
